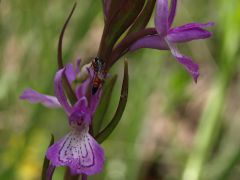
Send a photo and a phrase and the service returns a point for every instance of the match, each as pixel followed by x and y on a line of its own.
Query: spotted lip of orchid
pixel 78 149
pixel 167 37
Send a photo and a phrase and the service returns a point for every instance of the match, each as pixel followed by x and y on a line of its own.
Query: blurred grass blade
pixel 120 109
pixel 209 128
pixel 230 166
pixel 46 162
pixel 85 24
pixel 100 114
pixel 210 121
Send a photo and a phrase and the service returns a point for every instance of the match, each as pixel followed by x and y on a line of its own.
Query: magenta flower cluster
pixel 79 150
pixel 166 37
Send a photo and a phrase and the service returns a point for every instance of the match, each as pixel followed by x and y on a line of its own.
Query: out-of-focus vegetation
pixel 172 128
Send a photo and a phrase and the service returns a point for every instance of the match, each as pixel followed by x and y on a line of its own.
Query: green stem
pixel 46 162
pixel 103 106
pixel 120 109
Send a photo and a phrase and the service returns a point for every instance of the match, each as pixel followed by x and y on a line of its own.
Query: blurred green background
pixel 172 128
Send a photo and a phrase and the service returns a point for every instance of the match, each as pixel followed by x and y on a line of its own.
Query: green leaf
pixel 69 91
pixel 46 162
pixel 100 114
pixel 122 15
pixel 144 17
pixel 120 109
pixel 60 41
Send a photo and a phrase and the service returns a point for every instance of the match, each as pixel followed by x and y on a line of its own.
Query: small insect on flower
pixel 99 74
pixel 97 82
pixel 98 65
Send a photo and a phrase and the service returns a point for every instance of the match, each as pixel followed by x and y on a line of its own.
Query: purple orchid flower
pixel 78 149
pixel 167 37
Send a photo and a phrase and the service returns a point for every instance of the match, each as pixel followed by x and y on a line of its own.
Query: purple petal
pixel 153 42
pixel 172 13
pixel 79 116
pixel 187 62
pixel 81 90
pixel 81 112
pixel 91 73
pixel 84 87
pixel 59 91
pixel 161 17
pixel 188 35
pixel 190 66
pixel 70 73
pixel 79 151
pixel 190 26
pixel 82 102
pixel 35 97
pixel 94 101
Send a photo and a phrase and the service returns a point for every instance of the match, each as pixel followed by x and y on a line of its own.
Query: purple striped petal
pixel 172 12
pixel 153 42
pixel 59 91
pixel 36 97
pixel 190 26
pixel 188 35
pixel 187 62
pixel 161 17
pixel 79 151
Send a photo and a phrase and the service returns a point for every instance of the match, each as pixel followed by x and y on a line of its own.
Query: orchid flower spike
pixel 78 150
pixel 167 37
